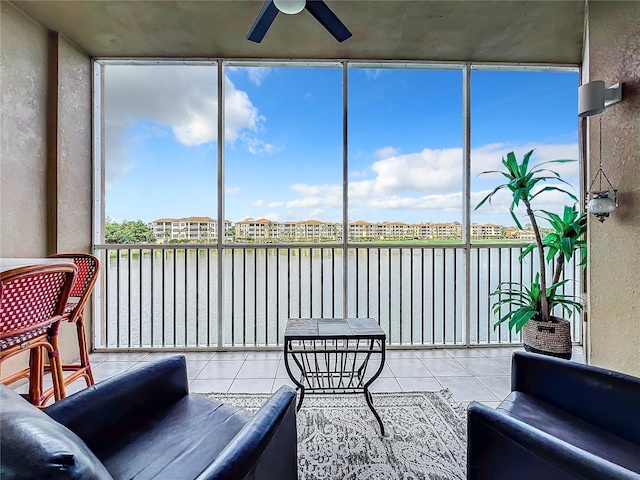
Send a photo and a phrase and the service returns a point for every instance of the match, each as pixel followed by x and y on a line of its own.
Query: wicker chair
pixel 32 304
pixel 88 268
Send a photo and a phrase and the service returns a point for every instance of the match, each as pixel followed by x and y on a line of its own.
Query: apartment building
pixel 191 229
pixel 517 233
pixel 486 231
pixel 251 230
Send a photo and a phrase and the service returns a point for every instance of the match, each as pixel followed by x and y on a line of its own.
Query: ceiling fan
pixel 317 8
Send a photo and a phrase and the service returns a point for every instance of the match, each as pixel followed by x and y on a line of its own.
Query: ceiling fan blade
pixel 263 21
pixel 328 19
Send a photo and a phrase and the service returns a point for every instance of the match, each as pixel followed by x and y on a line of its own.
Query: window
pixel 405 154
pixel 160 149
pixel 520 111
pixel 283 174
pixel 338 189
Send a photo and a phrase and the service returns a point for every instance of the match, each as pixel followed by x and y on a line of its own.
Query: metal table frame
pixel 333 355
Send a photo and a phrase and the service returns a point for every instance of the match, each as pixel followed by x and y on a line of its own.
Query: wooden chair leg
pixel 85 362
pixel 80 369
pixel 56 365
pixel 36 374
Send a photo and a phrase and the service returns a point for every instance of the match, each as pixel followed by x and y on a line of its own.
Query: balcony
pixel 155 300
pixel 47 203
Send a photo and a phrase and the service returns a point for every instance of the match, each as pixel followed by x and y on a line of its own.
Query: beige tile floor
pixel 480 374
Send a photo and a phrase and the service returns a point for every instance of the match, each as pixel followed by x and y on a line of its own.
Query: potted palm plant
pixel 529 307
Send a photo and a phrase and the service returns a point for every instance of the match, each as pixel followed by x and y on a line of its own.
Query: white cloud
pixel 314 202
pixel 449 202
pixel 256 146
pixel 273 216
pixel 180 98
pixel 489 157
pixel 315 196
pixel 262 203
pixel 373 73
pixel 240 113
pixel 426 171
pixel 257 74
pixel 386 152
pixel 195 130
pixel 361 188
pixel 431 180
pixel 552 201
pixel 232 190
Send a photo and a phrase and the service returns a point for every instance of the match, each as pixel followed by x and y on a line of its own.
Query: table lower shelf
pixel 331 367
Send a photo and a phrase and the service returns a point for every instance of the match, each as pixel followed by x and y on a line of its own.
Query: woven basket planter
pixel 548 338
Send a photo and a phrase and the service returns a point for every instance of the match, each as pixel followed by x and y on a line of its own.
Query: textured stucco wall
pixel 614 246
pixel 74 149
pixel 74 168
pixel 23 149
pixel 23 77
pixel 23 113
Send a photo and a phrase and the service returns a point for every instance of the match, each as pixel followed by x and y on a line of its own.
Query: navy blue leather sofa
pixel 144 424
pixel 562 421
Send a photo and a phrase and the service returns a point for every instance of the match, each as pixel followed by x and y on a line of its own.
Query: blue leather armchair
pixel 562 421
pixel 144 424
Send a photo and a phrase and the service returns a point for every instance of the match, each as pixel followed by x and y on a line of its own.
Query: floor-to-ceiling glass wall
pixel 283 192
pixel 324 189
pixel 518 110
pixel 405 199
pixel 159 176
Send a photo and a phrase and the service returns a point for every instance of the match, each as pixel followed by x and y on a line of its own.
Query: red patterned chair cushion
pixel 86 268
pixel 71 306
pixel 28 306
pixel 9 342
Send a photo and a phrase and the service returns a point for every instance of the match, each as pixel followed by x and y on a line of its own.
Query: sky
pixel 283 141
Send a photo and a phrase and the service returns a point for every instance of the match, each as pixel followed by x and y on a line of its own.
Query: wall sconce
pixel 599 203
pixel 593 98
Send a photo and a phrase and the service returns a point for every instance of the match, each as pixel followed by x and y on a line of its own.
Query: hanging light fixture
pixel 290 7
pixel 599 203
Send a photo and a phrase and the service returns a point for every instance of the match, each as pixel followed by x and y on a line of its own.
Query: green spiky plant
pixel 538 300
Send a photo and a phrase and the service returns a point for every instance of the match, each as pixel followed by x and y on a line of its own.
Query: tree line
pixel 128 231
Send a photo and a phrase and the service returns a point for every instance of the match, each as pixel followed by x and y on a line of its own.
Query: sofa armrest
pixel 265 448
pixel 499 446
pixel 97 410
pixel 601 397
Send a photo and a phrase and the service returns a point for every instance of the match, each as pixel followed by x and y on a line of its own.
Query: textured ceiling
pixel 511 31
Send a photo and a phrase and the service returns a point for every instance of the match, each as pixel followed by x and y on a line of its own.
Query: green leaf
pixel 548 188
pixel 515 219
pixel 525 162
pixel 527 251
pixel 488 197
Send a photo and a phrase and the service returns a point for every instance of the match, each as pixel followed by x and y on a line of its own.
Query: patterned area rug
pixel 339 438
